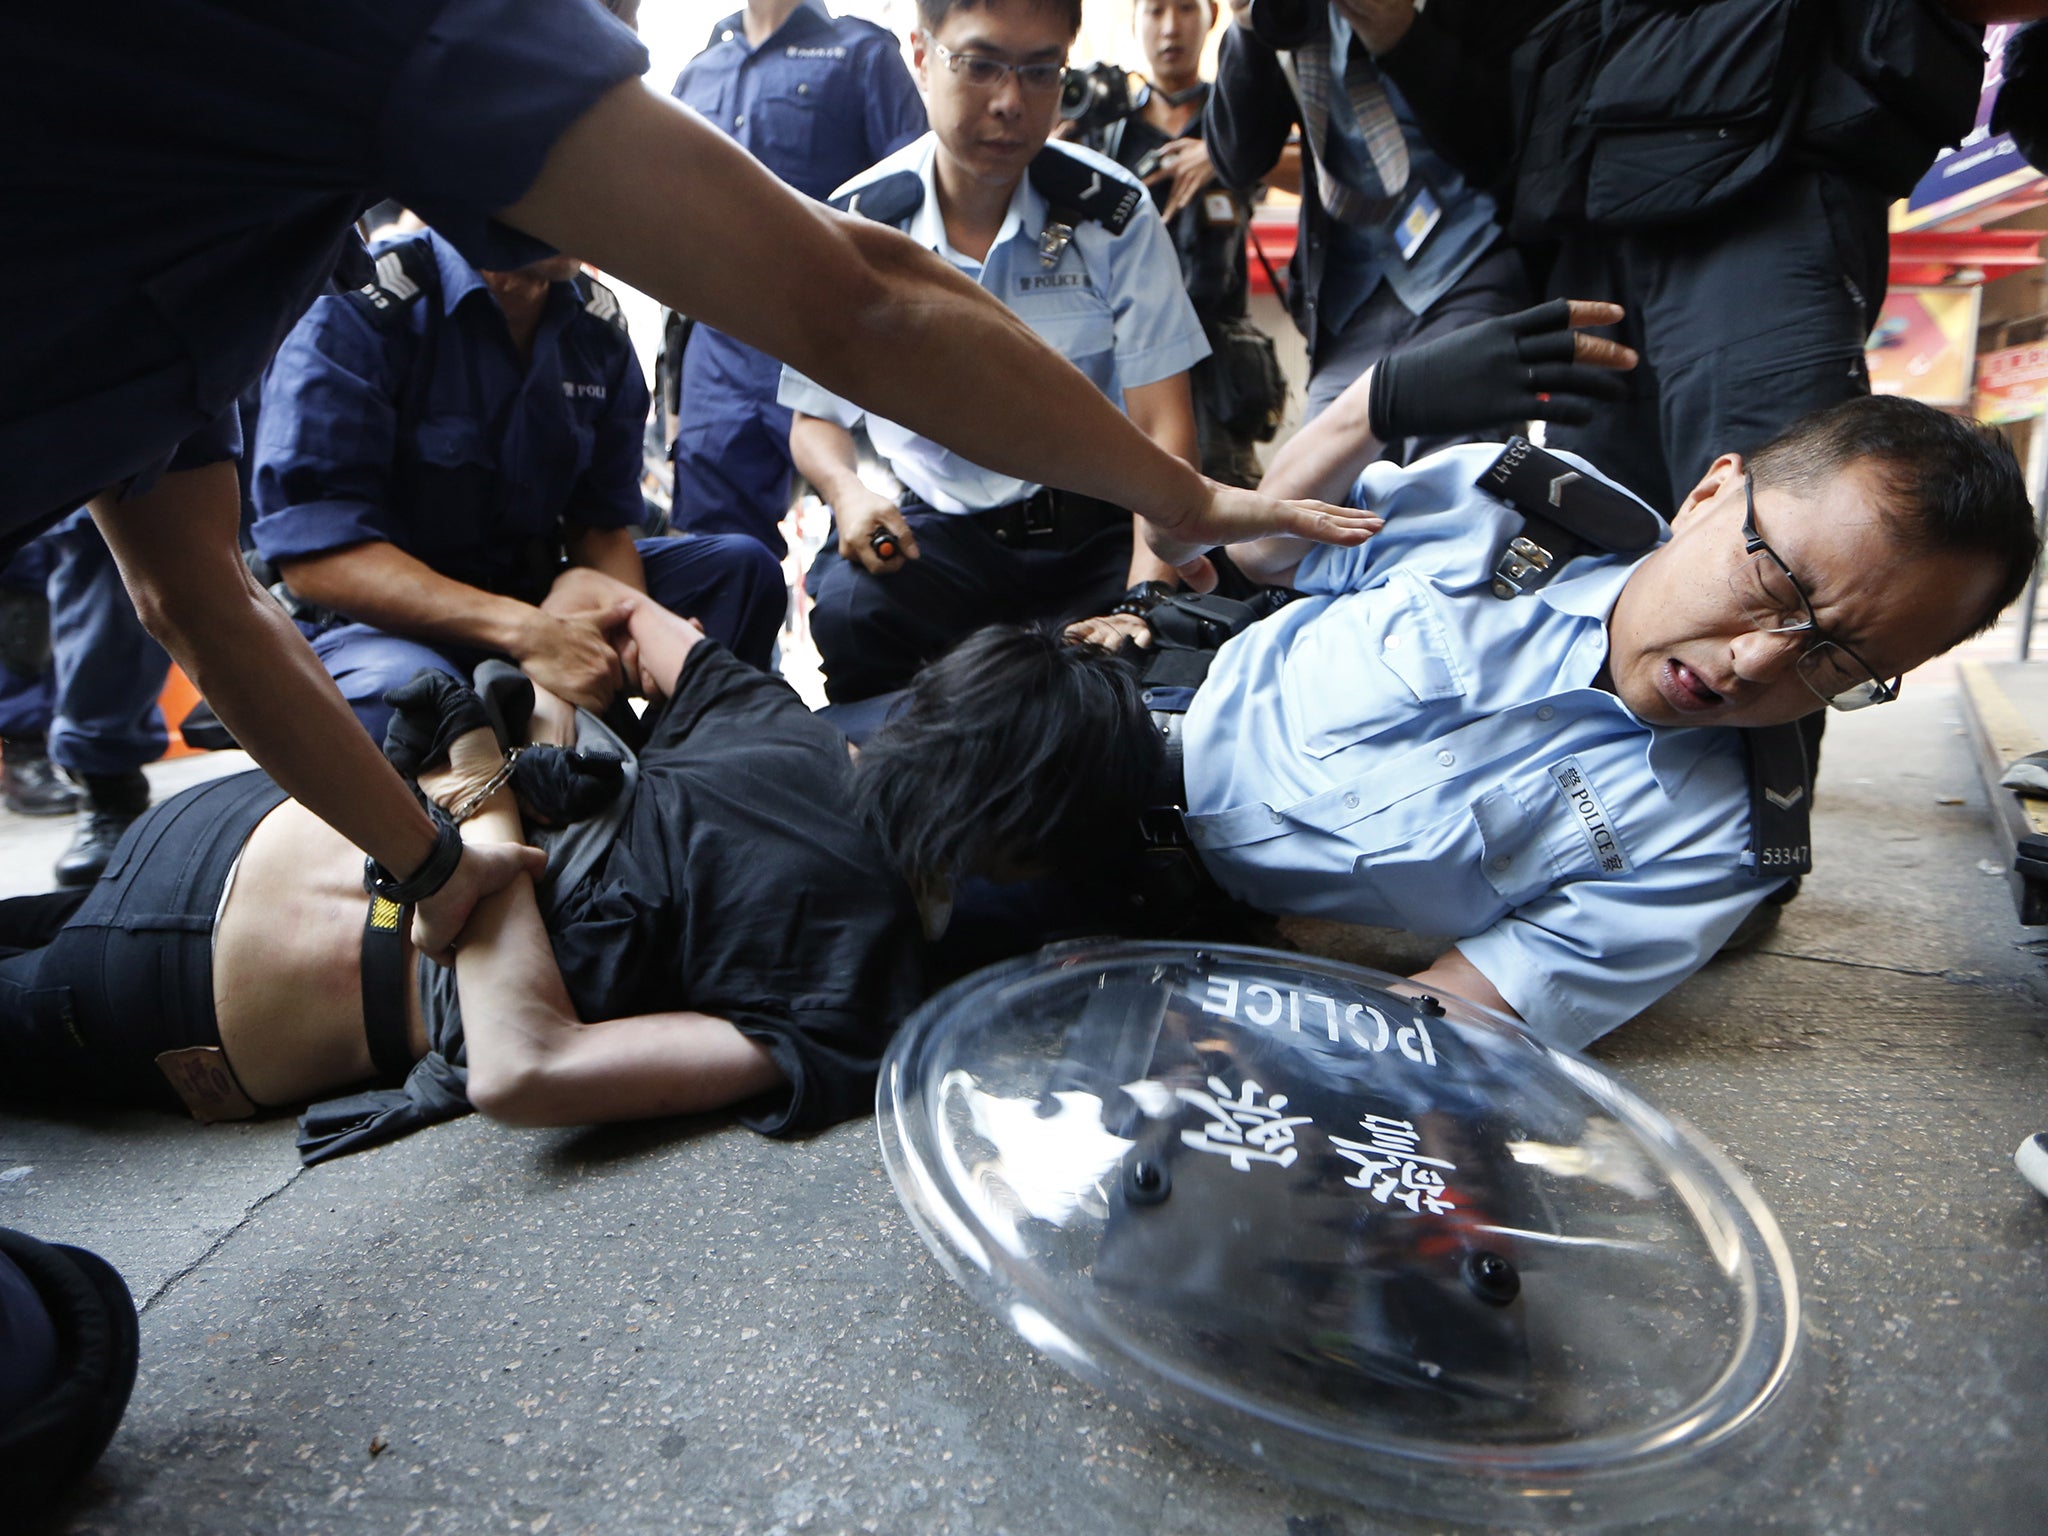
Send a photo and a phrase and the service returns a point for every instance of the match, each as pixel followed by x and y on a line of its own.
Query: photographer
pixel 1156 132
pixel 1396 244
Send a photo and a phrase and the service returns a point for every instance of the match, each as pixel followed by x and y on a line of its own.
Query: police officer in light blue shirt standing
pixel 1069 241
pixel 437 445
pixel 816 98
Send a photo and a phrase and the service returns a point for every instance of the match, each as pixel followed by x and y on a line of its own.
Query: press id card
pixel 1423 215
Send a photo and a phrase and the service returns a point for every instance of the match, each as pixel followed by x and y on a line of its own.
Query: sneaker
pixel 29 782
pixel 112 802
pixel 2032 1160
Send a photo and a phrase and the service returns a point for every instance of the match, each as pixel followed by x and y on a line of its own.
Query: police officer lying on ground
pixel 719 924
pixel 1069 242
pixel 200 166
pixel 1548 765
pixel 436 444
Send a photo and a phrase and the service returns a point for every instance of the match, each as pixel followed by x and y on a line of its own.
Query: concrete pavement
pixel 682 1327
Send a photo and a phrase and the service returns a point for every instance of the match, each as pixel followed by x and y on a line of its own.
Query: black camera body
pixel 1095 95
pixel 1282 25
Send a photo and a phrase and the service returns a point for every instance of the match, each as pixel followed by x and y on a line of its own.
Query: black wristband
pixel 423 882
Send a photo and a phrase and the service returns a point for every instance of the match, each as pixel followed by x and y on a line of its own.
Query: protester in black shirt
pixel 734 928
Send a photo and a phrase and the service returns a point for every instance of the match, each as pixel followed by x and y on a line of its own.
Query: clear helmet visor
pixel 1393 1247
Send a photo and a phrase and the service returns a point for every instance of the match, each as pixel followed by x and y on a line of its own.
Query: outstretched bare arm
pixel 647 189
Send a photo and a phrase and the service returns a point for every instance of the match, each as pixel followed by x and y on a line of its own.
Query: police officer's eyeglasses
pixel 984 73
pixel 1777 604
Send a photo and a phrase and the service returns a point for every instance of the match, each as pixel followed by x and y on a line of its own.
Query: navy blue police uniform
pixel 26 676
pixel 819 100
pixel 196 171
pixel 402 413
pixel 89 683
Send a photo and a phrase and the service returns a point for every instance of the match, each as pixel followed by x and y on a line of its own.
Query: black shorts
pixel 130 975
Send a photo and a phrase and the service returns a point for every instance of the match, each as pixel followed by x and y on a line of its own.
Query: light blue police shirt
pixel 1404 749
pixel 1112 305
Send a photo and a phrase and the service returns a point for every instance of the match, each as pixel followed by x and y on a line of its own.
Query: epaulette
pixel 600 301
pixel 889 201
pixel 1780 801
pixel 406 272
pixel 1075 190
pixel 1565 513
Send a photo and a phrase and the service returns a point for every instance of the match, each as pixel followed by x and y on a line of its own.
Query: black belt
pixel 1047 519
pixel 1169 707
pixel 384 989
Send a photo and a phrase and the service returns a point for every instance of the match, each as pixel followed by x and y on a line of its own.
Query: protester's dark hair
pixel 1016 752
pixel 1950 483
pixel 931 14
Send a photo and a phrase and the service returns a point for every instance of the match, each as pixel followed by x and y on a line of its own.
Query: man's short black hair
pixel 1017 753
pixel 931 14
pixel 1951 483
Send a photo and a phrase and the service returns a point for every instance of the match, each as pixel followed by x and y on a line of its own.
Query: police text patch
pixel 1592 817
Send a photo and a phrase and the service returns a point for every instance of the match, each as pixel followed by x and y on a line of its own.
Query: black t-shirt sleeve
pixel 746 887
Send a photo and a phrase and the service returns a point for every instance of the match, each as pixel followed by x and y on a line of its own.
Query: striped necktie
pixel 1308 68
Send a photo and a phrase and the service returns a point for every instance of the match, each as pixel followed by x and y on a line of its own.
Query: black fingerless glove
pixel 558 785
pixel 1513 368
pixel 426 715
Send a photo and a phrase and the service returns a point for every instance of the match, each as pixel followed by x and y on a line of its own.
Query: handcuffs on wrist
pixel 474 802
pixel 440 862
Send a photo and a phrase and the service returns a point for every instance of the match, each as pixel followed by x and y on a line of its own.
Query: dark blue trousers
pixel 110 673
pixel 97 700
pixel 728 583
pixel 27 691
pixel 733 470
pixel 874 632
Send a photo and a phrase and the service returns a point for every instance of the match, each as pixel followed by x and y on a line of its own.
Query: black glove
pixel 426 715
pixel 1486 374
pixel 558 785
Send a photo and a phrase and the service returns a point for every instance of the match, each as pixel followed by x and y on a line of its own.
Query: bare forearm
pixel 1323 461
pixel 609 550
pixel 533 1061
pixel 506 977
pixel 382 585
pixel 1325 458
pixel 1165 412
pixel 177 552
pixel 689 217
pixel 824 454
